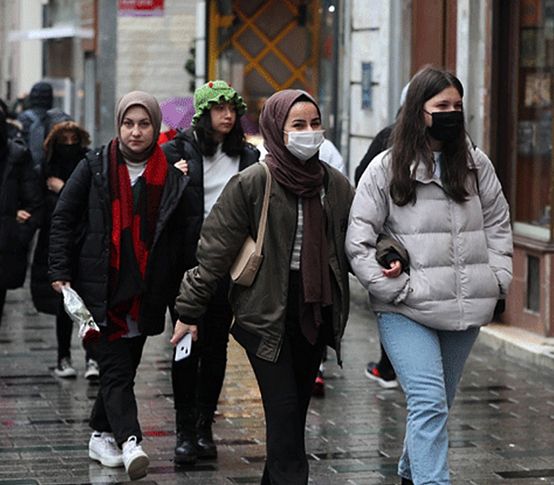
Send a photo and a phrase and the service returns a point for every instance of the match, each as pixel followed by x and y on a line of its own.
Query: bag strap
pixel 265 206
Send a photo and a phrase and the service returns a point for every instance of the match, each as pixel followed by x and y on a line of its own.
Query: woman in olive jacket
pixel 21 208
pixel 298 302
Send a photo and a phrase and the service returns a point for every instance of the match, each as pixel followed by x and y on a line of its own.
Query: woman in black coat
pixel 210 153
pixel 65 146
pixel 21 201
pixel 117 237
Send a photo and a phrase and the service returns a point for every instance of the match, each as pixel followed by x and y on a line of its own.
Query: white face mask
pixel 304 144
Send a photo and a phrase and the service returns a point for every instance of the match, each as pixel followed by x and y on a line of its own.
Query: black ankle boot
pixel 205 441
pixel 185 449
pixel 405 481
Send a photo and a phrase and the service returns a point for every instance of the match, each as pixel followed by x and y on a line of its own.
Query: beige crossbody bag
pixel 249 259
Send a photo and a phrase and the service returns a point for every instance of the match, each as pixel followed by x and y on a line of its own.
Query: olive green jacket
pixel 261 308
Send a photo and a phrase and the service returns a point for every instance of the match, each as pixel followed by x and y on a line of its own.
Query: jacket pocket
pixel 498 283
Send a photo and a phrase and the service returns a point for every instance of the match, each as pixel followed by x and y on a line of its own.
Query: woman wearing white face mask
pixel 298 302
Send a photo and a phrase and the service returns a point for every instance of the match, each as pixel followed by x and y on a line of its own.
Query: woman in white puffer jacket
pixel 439 198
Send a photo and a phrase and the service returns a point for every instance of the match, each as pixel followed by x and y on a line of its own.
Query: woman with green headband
pixel 210 152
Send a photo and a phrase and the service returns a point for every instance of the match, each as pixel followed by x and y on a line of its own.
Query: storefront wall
pixel 529 63
pixel 352 55
pixel 504 56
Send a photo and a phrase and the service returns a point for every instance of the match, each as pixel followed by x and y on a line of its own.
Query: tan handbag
pixel 250 256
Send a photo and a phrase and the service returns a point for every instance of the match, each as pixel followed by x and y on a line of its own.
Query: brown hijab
pixel 150 104
pixel 305 180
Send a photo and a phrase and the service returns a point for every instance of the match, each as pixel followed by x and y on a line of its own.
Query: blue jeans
pixel 428 364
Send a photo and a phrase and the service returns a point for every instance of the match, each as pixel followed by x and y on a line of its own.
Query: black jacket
pixel 19 189
pixel 379 144
pixel 184 146
pixel 85 202
pixel 45 299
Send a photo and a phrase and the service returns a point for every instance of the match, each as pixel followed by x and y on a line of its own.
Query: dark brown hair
pixel 410 142
pixel 233 142
pixel 54 136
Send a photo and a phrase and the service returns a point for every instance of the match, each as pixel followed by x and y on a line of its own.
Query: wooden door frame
pixel 504 93
pixel 434 25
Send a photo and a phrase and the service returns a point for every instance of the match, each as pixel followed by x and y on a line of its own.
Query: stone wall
pixel 152 51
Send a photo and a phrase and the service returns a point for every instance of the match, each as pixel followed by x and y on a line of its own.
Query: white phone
pixel 182 350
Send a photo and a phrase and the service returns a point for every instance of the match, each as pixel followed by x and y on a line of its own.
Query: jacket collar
pixel 422 175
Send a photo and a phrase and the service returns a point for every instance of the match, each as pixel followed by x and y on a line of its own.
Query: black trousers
pixel 3 292
pixel 64 331
pixel 286 388
pixel 198 379
pixel 115 408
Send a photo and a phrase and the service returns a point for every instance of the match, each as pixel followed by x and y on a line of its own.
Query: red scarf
pixel 134 218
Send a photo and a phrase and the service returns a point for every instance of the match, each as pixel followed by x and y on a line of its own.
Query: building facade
pixel 93 51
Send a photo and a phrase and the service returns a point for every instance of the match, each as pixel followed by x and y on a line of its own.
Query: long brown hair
pixel 410 141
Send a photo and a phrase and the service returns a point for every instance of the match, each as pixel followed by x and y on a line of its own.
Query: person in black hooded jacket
pixel 21 205
pixel 35 121
pixel 210 152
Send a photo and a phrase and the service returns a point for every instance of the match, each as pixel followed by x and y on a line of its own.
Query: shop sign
pixel 141 8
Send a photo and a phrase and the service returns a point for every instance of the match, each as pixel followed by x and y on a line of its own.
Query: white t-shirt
pixel 135 169
pixel 218 169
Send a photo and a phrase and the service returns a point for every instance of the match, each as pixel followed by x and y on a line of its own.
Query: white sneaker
pixel 102 447
pixel 135 459
pixel 92 371
pixel 65 369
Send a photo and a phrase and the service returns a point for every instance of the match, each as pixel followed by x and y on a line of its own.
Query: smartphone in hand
pixel 183 348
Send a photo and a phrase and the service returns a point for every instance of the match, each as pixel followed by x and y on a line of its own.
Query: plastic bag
pixel 79 313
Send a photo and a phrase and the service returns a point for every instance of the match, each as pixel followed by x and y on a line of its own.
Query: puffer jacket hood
pixel 460 253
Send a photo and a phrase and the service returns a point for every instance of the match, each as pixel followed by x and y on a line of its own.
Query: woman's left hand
pixel 22 216
pixel 180 330
pixel 183 166
pixel 394 271
pixel 54 184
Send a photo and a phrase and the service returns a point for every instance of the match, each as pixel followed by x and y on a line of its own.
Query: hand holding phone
pixel 183 348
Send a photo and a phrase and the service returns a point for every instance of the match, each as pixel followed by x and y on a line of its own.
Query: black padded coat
pixel 80 242
pixel 185 147
pixel 19 189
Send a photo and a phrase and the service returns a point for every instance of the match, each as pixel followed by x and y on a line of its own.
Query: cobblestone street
pixel 501 430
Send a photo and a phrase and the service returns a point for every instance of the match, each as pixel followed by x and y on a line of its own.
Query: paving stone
pixel 501 426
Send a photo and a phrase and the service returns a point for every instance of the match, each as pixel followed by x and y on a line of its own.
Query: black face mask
pixel 446 125
pixel 68 153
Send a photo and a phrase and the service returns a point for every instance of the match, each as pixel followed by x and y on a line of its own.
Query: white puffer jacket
pixel 460 253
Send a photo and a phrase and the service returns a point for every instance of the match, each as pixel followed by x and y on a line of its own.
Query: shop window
pixel 533 287
pixel 534 119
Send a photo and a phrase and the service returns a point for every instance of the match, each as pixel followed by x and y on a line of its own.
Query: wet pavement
pixel 501 428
